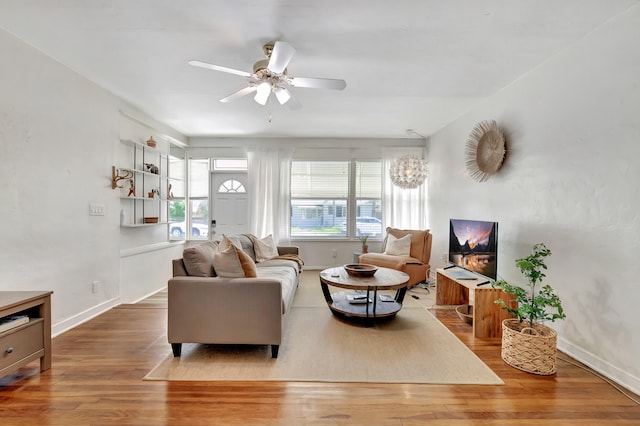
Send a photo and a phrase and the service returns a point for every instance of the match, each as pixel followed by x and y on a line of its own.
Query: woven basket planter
pixel 529 349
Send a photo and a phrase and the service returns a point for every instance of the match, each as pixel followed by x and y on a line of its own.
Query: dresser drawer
pixel 21 342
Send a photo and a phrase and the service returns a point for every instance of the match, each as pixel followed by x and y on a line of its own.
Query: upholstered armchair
pixel 413 260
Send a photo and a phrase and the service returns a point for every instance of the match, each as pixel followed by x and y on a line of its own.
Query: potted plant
pixel 526 343
pixel 363 239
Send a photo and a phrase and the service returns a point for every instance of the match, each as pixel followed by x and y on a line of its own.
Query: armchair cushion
pixel 398 246
pixel 420 242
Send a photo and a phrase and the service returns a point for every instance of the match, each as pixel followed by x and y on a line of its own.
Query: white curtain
pixel 269 193
pixel 403 208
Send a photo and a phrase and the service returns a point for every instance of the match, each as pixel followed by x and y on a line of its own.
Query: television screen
pixel 473 245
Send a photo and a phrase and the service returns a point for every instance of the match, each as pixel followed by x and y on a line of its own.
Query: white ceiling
pixel 408 64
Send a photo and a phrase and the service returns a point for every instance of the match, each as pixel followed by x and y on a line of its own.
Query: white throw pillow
pixel 265 249
pixel 398 246
pixel 231 262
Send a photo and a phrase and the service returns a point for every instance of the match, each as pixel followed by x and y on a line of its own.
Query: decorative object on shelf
pixel 132 189
pixel 526 344
pixel 151 143
pixel 151 219
pixel 484 151
pixel 363 239
pixel 169 193
pixel 153 193
pixel 152 168
pixel 360 269
pixel 408 171
pixel 116 177
pixel 123 217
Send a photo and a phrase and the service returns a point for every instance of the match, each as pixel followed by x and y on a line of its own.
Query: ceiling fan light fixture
pixel 282 94
pixel 270 75
pixel 262 93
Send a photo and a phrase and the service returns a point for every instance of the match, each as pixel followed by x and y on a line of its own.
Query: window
pixel 231 185
pixel 230 164
pixel 189 216
pixel 324 192
pixel 199 198
pixel 177 199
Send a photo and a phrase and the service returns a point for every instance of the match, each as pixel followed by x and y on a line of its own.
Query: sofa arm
pixel 288 250
pixel 224 310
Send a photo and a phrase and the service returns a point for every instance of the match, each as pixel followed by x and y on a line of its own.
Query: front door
pixel 229 207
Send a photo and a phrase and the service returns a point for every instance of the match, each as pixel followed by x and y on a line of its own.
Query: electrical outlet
pixel 334 253
pixel 95 286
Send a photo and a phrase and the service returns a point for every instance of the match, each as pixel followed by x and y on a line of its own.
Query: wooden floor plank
pixel 98 367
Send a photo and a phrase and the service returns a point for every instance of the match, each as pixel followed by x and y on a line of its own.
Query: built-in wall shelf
pixel 141 225
pixel 143 171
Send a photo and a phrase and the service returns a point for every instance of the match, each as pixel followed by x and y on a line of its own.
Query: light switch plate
pixel 96 209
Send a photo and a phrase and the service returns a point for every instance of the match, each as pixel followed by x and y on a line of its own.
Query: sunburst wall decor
pixel 484 151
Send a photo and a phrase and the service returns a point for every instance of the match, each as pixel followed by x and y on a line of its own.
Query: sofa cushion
pixel 265 248
pixel 398 246
pixel 288 278
pixel 232 262
pixel 246 244
pixel 198 259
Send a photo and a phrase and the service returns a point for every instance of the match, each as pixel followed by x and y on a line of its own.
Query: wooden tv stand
pixel 487 315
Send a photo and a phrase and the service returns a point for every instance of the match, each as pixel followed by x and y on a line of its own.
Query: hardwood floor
pixel 97 372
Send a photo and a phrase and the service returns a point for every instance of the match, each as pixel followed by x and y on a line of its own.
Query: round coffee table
pixel 369 304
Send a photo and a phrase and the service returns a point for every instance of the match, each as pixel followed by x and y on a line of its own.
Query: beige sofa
pixel 221 310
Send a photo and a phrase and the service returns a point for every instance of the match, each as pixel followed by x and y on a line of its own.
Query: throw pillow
pixel 398 246
pixel 198 260
pixel 265 248
pixel 231 262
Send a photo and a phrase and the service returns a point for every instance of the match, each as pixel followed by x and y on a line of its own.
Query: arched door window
pixel 231 186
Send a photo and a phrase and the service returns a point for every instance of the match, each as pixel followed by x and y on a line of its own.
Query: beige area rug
pixel 413 347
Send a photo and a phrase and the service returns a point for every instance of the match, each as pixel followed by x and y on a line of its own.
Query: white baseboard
pixel 76 320
pixel 609 371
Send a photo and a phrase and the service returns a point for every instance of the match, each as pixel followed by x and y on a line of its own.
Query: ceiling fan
pixel 270 76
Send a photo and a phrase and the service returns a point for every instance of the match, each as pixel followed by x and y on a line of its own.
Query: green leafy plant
pixel 363 239
pixel 533 305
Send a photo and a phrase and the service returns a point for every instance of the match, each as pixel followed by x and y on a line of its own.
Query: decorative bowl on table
pixel 360 269
pixel 465 312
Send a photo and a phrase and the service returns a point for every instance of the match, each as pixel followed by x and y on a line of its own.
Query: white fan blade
pixel 240 93
pixel 219 68
pixel 318 83
pixel 280 56
pixel 262 93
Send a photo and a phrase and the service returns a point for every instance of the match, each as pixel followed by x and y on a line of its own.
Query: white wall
pixel 58 135
pixel 570 180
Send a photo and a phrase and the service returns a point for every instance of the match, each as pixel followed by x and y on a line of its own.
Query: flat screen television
pixel 473 245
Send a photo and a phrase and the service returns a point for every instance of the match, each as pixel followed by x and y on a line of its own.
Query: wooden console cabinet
pixel 487 316
pixel 27 342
